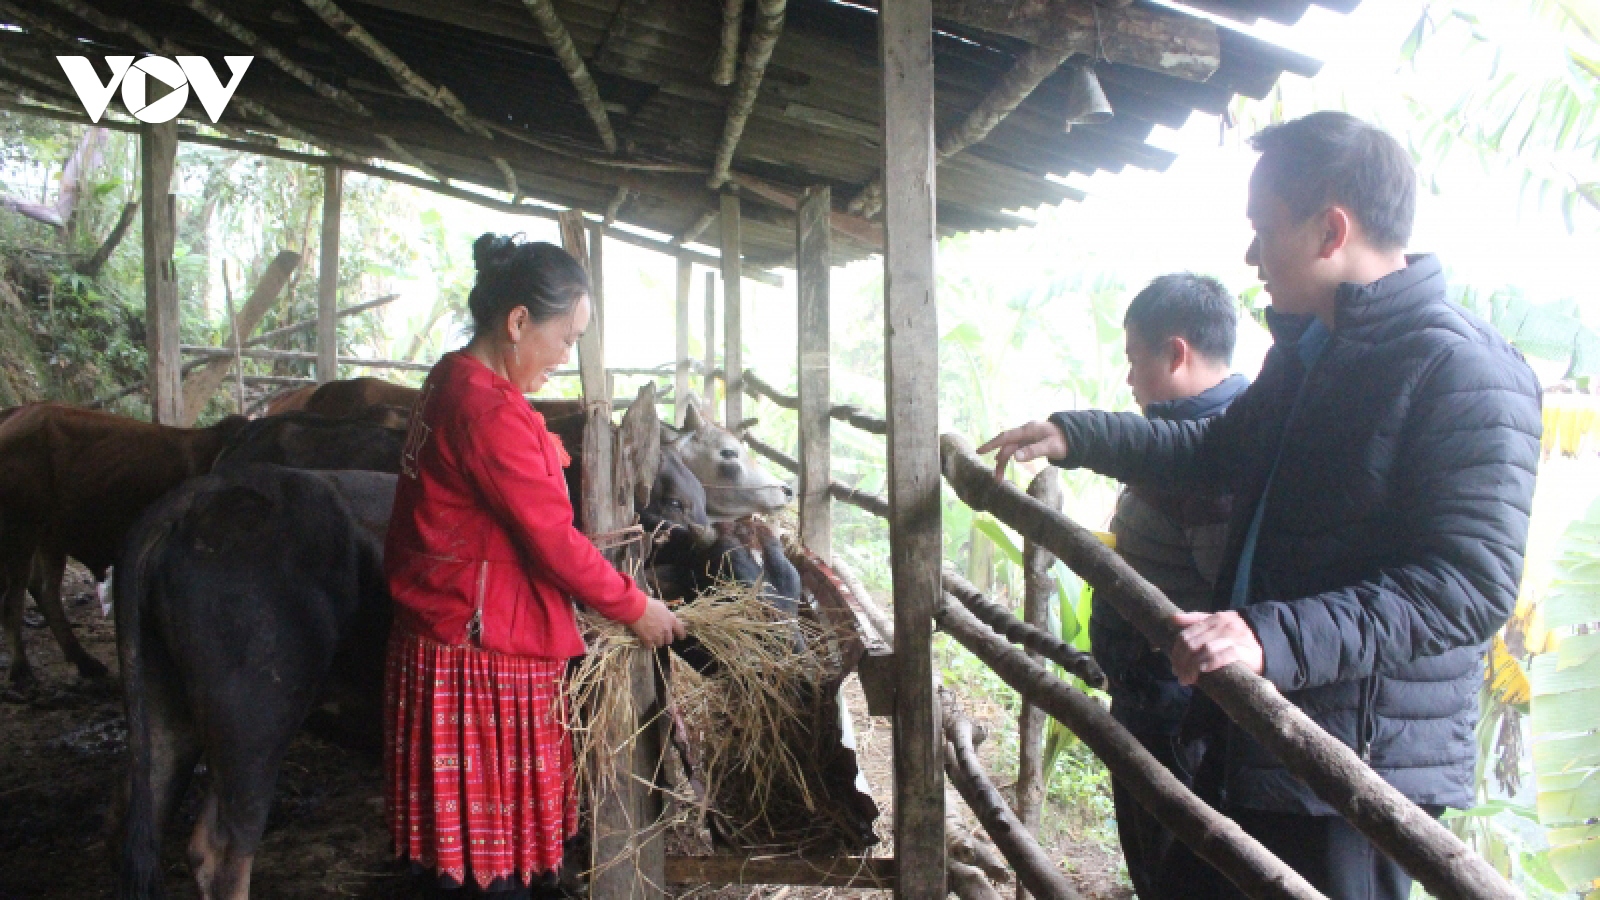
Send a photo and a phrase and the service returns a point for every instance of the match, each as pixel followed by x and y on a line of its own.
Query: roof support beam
pixel 1149 37
pixel 544 13
pixel 1030 70
pixel 727 61
pixel 340 97
pixel 763 37
pixel 437 96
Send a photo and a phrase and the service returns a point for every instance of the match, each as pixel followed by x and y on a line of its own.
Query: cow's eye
pixel 730 454
pixel 675 503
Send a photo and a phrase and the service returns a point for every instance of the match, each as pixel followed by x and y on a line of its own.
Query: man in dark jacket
pixel 1382 469
pixel 1180 333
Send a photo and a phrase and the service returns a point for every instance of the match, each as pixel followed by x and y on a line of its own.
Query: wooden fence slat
pixel 1038 592
pixel 1437 859
pixel 911 362
pixel 158 154
pixel 328 276
pixel 680 352
pixel 813 251
pixel 732 309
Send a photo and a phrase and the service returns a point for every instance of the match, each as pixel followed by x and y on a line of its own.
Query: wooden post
pixel 158 156
pixel 814 260
pixel 732 355
pixel 328 276
pixel 626 867
pixel 597 291
pixel 680 384
pixel 911 362
pixel 1039 591
pixel 591 347
pixel 711 345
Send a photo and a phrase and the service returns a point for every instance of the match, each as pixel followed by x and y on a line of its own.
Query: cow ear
pixel 691 414
pixel 669 434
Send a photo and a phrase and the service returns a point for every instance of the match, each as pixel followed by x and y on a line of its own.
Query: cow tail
pixel 139 860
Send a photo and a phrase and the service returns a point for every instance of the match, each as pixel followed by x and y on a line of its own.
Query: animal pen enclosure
pixel 809 133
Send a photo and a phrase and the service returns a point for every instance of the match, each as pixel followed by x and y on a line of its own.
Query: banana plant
pixel 1565 709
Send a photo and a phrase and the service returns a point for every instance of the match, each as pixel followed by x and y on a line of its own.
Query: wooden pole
pixel 591 349
pixel 1213 836
pixel 680 382
pixel 732 314
pixel 1038 592
pixel 1424 848
pixel 158 155
pixel 911 362
pixel 597 296
pixel 328 277
pixel 711 345
pixel 814 256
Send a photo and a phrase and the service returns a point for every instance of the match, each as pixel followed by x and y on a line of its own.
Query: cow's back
pixel 351 396
pixel 310 441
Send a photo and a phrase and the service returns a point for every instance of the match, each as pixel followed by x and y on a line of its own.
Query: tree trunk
pixel 1038 592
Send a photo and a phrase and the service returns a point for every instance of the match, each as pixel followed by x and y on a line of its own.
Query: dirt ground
pixel 62 749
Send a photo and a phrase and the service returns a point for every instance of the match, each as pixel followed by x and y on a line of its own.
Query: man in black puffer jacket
pixel 1382 468
pixel 1180 333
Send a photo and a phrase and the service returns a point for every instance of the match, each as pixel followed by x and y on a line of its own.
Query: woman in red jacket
pixel 484 563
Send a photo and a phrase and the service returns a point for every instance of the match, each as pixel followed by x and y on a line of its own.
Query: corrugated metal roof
pixel 816 120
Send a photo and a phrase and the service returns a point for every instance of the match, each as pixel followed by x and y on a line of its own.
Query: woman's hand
pixel 658 626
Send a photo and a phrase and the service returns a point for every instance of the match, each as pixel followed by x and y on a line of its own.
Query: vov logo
pixel 134 78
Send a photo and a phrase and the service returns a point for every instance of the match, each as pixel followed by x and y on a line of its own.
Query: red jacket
pixel 481 546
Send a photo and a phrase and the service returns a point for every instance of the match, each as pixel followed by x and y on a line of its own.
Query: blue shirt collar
pixel 1312 342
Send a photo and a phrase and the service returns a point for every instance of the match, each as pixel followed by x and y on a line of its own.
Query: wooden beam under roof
pixel 1146 36
pixel 544 13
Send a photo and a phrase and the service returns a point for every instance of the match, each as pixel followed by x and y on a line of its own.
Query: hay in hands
pixel 764 724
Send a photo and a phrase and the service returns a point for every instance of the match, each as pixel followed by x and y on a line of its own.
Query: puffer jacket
pixel 1393 535
pixel 1176 540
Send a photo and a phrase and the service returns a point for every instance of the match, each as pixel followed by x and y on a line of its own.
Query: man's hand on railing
pixel 1031 441
pixel 1210 641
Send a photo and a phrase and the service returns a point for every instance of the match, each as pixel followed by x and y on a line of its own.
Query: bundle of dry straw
pixel 756 721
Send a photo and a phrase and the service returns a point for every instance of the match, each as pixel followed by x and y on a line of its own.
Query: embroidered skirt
pixel 477 761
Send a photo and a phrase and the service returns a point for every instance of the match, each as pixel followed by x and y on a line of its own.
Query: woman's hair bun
pixel 491 250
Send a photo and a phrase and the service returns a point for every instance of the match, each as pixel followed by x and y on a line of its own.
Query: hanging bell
pixel 1086 101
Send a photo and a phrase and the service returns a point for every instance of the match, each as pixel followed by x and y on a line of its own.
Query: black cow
pixel 225 649
pixel 310 441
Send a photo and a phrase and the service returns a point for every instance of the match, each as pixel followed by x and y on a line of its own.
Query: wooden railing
pixel 1428 851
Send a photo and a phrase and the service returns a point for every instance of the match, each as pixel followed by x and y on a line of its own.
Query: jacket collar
pixel 1209 402
pixel 1372 312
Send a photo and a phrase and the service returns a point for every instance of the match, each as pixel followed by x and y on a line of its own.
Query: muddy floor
pixel 62 746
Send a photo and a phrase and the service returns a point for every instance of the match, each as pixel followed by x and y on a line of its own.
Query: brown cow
pixel 72 482
pixel 343 398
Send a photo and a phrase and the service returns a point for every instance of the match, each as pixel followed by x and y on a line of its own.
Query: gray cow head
pixel 735 486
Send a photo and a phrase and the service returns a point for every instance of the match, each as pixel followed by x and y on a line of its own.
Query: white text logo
pixel 133 77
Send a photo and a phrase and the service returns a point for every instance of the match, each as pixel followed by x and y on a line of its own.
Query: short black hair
pixel 1196 308
pixel 1333 157
pixel 542 277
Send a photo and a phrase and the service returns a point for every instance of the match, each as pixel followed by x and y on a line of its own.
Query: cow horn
pixel 746 425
